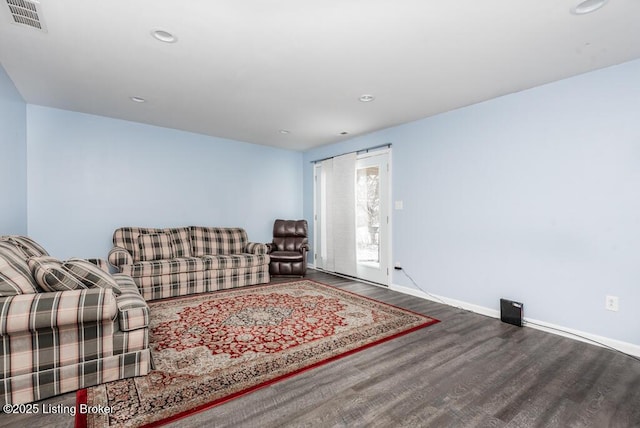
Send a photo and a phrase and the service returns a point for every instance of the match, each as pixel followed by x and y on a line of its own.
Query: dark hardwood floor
pixel 466 371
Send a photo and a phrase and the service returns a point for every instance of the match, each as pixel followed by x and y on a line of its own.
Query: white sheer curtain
pixel 326 214
pixel 338 240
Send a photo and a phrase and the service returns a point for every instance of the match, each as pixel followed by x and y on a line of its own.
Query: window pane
pixel 368 215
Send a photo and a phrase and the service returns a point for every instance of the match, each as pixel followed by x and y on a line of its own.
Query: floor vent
pixel 26 12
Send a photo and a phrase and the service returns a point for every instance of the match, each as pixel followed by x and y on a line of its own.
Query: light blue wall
pixel 89 175
pixel 534 196
pixel 13 156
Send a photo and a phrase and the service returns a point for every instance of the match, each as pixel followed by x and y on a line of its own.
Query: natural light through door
pixel 351 215
pixel 372 217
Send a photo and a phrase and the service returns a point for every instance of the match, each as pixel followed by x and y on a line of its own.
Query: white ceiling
pixel 244 69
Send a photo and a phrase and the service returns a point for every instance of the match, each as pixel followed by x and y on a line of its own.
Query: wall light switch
pixel 399 205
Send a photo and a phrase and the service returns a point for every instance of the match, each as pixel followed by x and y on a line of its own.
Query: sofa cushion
pixel 173 284
pixel 127 238
pixel 164 267
pixel 181 240
pixel 217 240
pixel 223 261
pixel 286 256
pixel 51 276
pixel 91 275
pixel 15 275
pixel 100 263
pixel 27 246
pixel 155 246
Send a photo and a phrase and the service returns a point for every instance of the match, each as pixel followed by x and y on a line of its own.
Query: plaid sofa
pixel 65 326
pixel 186 260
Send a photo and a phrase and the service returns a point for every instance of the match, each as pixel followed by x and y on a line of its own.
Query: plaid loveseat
pixel 65 325
pixel 186 260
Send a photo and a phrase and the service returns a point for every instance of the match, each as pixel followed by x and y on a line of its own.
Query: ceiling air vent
pixel 26 12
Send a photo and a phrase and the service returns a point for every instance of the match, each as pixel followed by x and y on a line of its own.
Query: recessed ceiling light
pixel 587 6
pixel 137 99
pixel 366 98
pixel 284 131
pixel 164 36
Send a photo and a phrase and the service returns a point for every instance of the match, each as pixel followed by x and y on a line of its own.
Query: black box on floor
pixel 511 312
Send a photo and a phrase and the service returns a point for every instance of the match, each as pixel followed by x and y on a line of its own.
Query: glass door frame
pixel 386 241
pixel 381 158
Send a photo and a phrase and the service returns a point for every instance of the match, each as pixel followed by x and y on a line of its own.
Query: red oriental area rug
pixel 210 348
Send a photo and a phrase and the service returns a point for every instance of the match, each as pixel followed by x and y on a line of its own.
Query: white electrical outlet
pixel 611 303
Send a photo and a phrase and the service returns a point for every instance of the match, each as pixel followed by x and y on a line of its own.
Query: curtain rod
pixel 387 145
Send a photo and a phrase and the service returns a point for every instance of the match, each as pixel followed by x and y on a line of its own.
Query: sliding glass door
pixel 351 215
pixel 372 218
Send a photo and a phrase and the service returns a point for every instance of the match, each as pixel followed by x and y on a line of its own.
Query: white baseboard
pixel 626 347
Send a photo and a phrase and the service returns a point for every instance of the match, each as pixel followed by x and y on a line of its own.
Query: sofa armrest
pixel 133 310
pixel 119 256
pixel 255 248
pixel 32 312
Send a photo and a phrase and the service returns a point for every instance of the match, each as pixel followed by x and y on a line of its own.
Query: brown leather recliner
pixel 288 251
